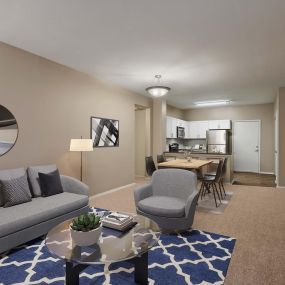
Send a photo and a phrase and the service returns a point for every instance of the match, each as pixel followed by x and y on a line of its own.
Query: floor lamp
pixel 81 145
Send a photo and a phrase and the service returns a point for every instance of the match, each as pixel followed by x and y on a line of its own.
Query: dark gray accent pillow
pixel 33 173
pixel 50 183
pixel 15 191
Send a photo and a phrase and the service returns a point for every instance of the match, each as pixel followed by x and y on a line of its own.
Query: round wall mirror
pixel 8 130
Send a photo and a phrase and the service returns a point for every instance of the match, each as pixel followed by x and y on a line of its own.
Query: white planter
pixel 86 238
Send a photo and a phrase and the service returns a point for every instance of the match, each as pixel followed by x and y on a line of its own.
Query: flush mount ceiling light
pixel 158 90
pixel 212 103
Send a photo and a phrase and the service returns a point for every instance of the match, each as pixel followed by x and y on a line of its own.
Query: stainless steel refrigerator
pixel 219 141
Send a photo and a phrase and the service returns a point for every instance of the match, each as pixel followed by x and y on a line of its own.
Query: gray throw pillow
pixel 9 174
pixel 15 191
pixel 33 173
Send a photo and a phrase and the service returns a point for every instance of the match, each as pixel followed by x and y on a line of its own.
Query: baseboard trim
pixel 281 187
pixel 110 191
pixel 264 172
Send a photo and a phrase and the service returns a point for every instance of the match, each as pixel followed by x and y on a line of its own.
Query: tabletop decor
pixel 187 155
pixel 86 229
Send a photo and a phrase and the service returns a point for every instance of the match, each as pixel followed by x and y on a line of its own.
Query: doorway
pixel 276 144
pixel 246 146
pixel 142 139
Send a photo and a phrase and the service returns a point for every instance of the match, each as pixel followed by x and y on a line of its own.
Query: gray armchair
pixel 170 199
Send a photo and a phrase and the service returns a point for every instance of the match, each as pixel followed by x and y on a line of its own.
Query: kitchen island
pixel 207 156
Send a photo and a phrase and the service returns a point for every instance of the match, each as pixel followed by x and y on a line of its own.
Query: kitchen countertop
pixel 198 153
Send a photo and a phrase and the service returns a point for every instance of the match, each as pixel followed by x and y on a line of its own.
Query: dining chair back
pixel 224 168
pixel 218 175
pixel 150 166
pixel 160 158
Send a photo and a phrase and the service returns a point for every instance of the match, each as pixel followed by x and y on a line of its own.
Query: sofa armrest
pixel 142 192
pixel 73 185
pixel 191 203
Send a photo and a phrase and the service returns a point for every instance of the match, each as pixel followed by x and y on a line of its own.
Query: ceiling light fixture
pixel 212 103
pixel 158 90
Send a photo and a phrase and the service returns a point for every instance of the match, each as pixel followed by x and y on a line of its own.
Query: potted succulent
pixel 86 229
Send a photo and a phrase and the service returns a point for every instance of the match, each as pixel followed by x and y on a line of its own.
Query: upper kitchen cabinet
pixel 197 129
pixel 220 125
pixel 181 123
pixel 171 127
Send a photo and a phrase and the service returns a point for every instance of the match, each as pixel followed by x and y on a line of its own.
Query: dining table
pixel 192 164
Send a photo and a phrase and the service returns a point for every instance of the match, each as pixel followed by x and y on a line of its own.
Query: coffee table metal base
pixel 140 263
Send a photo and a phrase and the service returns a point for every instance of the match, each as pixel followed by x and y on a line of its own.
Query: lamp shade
pixel 81 145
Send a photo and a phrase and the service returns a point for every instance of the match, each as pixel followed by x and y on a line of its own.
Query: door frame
pixel 276 142
pixel 259 138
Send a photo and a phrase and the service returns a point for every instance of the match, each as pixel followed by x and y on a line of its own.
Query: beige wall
pixel 264 112
pixel 142 140
pixel 174 112
pixel 282 137
pixel 53 104
pixel 159 127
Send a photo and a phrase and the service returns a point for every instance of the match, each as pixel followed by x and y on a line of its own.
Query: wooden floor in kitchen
pixel 254 179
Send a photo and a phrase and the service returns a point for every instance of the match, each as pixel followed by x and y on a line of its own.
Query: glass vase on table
pixel 187 155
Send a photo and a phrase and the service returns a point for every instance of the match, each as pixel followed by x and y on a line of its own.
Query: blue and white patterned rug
pixel 194 257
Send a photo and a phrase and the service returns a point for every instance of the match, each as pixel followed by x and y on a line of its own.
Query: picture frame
pixel 104 132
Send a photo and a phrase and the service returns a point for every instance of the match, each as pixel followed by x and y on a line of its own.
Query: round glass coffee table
pixel 113 246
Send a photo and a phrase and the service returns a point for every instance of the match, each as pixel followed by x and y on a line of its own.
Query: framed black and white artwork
pixel 104 132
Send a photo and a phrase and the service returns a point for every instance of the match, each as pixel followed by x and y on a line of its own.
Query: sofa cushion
pixel 40 209
pixel 9 174
pixel 33 173
pixel 163 206
pixel 15 191
pixel 50 183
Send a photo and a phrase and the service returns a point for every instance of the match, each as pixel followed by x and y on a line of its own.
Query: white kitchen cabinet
pixel 220 124
pixel 197 129
pixel 225 124
pixel 192 130
pixel 181 123
pixel 203 127
pixel 171 127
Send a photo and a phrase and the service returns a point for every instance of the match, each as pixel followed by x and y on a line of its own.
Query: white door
pixel 276 151
pixel 246 146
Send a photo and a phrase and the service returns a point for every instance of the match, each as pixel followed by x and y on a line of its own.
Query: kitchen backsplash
pixel 185 143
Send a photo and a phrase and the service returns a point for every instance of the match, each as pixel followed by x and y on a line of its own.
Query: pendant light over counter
pixel 158 90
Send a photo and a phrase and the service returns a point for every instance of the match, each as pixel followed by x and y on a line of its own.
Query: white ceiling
pixel 204 49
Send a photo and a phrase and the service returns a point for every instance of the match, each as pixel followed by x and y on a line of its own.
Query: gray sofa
pixel 24 222
pixel 170 199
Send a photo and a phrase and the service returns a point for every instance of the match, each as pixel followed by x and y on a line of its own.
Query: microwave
pixel 180 132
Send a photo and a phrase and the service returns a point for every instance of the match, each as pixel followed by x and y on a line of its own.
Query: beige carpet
pixel 207 203
pixel 255 216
